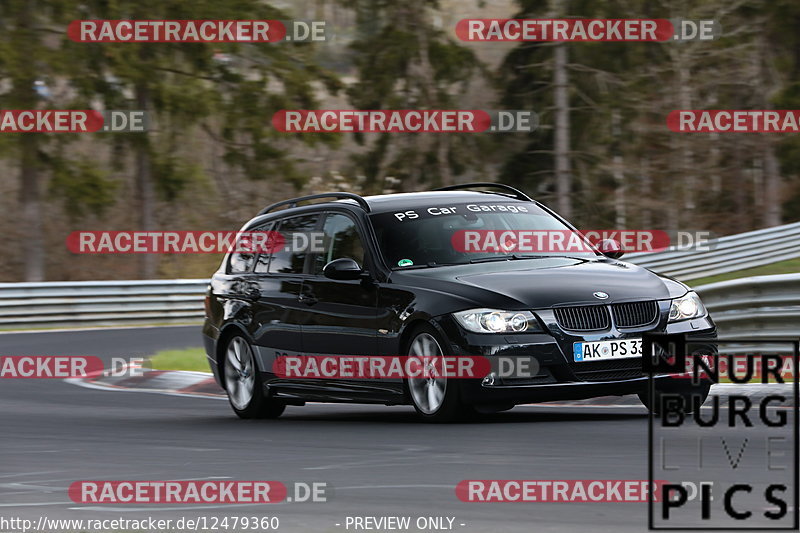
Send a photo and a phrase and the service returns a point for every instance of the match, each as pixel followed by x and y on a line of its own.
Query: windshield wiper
pixel 547 256
pixel 491 258
pixel 431 264
pixel 510 257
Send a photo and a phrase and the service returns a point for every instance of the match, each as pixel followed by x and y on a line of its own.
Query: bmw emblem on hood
pixel 600 295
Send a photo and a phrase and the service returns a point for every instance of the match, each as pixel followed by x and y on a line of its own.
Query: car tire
pixel 688 392
pixel 243 383
pixel 435 399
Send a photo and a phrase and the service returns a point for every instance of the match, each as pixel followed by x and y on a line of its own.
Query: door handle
pixel 307 298
pixel 253 292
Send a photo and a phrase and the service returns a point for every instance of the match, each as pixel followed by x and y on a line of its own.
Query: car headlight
pixel 494 321
pixel 686 307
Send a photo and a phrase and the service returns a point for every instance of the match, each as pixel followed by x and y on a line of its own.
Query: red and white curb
pixel 173 382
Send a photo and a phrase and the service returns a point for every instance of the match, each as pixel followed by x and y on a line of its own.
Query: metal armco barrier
pixel 726 254
pixel 101 303
pixel 766 308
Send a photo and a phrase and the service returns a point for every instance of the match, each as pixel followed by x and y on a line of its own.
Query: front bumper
pixel 555 376
pixel 473 392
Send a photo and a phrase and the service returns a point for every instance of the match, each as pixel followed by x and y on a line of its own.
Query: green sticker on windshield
pixel 405 262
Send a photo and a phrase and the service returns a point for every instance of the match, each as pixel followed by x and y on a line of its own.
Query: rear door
pixel 279 314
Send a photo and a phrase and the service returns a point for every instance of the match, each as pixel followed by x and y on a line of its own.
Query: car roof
pixel 384 203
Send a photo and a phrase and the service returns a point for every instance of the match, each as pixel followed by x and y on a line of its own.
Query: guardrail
pixel 763 308
pixel 766 308
pixel 101 303
pixel 725 254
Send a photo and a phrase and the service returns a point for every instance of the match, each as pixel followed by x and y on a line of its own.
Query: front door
pixel 342 317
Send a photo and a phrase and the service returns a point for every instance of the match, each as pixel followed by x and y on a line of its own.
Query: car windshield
pixel 463 233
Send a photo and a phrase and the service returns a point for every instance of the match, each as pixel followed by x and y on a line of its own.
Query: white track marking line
pixel 32 504
pixel 31 473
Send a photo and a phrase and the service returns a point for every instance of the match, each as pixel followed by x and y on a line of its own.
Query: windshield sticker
pixel 405 262
pixel 466 209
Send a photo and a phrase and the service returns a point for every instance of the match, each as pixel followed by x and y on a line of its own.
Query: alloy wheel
pixel 427 392
pixel 239 373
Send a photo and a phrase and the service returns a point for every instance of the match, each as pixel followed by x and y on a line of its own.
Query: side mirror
pixel 611 248
pixel 342 269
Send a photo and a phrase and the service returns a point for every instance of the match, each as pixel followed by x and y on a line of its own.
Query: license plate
pixel 605 350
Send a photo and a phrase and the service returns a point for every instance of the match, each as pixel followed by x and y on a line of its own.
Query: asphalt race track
pixel 379 461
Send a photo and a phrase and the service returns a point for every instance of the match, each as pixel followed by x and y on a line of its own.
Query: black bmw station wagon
pixel 385 279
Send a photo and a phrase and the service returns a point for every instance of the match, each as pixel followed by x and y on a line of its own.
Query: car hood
pixel 565 281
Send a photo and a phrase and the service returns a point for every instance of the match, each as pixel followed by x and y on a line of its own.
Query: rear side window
pixel 292 257
pixel 241 262
pixel 262 261
pixel 340 240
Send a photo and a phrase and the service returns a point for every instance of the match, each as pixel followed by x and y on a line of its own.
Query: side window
pixel 241 262
pixel 340 239
pixel 288 260
pixel 262 261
